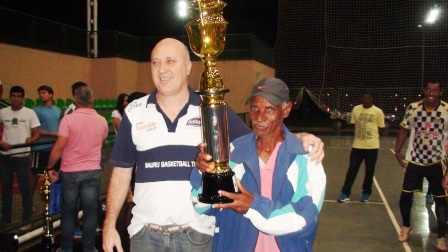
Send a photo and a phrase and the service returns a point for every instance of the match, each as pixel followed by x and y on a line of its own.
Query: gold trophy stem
pixel 48 235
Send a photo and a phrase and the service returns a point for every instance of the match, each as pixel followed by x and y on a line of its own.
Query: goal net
pixel 336 49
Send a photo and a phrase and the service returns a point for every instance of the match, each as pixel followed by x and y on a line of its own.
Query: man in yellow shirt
pixel 369 122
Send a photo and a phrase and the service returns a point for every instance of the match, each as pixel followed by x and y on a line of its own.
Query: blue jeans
pixel 21 166
pixel 187 240
pixel 85 187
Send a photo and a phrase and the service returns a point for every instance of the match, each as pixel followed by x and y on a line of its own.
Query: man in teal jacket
pixel 281 190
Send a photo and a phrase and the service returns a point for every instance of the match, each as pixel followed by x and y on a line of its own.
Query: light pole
pixel 431 17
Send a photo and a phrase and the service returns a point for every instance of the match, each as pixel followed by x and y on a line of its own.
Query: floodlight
pixel 182 8
pixel 433 15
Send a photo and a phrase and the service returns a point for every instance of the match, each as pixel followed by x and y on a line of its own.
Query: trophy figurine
pixel 206 32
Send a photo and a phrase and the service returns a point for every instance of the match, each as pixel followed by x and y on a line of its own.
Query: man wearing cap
pixel 280 190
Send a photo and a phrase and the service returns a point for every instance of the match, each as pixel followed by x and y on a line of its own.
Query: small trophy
pixel 207 35
pixel 48 236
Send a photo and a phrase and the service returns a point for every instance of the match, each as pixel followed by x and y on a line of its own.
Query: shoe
pixel 34 210
pixel 78 233
pixel 404 233
pixel 344 197
pixel 441 244
pixel 429 199
pixel 365 197
pixel 26 227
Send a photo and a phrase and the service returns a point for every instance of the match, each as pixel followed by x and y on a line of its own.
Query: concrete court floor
pixel 372 226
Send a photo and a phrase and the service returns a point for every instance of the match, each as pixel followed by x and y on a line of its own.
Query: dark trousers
pixel 21 167
pixel 356 158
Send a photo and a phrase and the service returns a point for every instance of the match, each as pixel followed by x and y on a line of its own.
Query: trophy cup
pixel 48 235
pixel 206 32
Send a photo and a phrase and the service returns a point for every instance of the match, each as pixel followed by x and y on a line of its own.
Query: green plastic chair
pixel 68 101
pixel 108 117
pixel 29 103
pixel 100 103
pixel 113 102
pixel 61 103
pixel 107 103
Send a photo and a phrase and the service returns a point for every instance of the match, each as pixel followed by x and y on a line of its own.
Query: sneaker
pixel 25 227
pixel 441 244
pixel 344 197
pixel 404 233
pixel 78 233
pixel 365 197
pixel 429 199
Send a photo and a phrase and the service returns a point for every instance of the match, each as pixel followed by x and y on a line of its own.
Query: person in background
pixel 48 116
pixel 81 136
pixel 427 122
pixel 70 109
pixel 117 113
pixel 281 191
pixel 21 126
pixel 72 106
pixel 159 134
pixel 369 123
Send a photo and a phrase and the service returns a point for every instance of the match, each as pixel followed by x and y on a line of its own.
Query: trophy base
pixel 212 183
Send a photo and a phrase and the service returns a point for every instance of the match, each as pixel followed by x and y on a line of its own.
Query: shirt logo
pixel 146 126
pixel 14 121
pixel 195 122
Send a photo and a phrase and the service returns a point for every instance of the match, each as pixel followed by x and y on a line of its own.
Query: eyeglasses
pixel 429 90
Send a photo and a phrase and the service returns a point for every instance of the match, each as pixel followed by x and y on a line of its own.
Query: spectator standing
pixel 48 116
pixel 21 126
pixel 369 122
pixel 72 107
pixel 427 122
pixel 117 113
pixel 80 138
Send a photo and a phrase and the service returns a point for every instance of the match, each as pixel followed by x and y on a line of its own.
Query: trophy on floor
pixel 207 35
pixel 48 236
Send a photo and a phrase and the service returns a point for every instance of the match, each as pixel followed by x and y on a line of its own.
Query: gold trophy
pixel 207 35
pixel 48 235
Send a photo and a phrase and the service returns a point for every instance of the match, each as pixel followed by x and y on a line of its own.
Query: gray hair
pixel 84 96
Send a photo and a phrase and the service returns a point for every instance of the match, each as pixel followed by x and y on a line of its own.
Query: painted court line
pixel 355 202
pixel 406 246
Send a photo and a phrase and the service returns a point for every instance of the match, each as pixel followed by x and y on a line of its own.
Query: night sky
pixel 152 17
